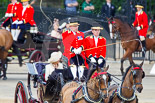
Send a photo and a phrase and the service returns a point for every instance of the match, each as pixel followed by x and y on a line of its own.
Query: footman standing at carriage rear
pixel 141 24
pixel 73 41
pixel 26 21
pixel 96 47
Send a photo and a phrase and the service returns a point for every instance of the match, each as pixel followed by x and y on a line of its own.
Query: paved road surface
pixel 16 73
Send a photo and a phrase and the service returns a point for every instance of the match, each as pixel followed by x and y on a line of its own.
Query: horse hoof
pixel 5 78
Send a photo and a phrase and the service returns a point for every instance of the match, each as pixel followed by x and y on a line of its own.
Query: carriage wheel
pixel 21 95
pixel 36 56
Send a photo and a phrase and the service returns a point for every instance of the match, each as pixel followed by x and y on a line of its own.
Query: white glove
pixel 92 59
pixel 74 51
pixel 20 22
pixel 138 28
pixel 10 15
pixel 100 61
pixel 62 25
pixel 6 15
pixel 15 22
pixel 79 50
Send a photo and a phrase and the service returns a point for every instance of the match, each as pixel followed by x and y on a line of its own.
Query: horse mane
pixel 126 72
pixel 135 65
pixel 90 73
pixel 123 21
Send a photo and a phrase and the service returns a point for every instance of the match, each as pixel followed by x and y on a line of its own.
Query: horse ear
pixel 141 64
pixel 98 69
pixel 106 68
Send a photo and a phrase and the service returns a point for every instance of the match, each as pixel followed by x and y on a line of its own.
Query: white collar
pixel 26 6
pixel 109 4
pixel 139 12
pixel 14 2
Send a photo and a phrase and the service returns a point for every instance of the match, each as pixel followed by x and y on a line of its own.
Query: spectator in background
pixel 108 9
pixel 87 7
pixel 71 6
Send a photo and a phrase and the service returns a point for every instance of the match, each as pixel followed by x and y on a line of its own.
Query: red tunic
pixel 71 41
pixel 142 21
pixel 92 49
pixel 27 17
pixel 16 10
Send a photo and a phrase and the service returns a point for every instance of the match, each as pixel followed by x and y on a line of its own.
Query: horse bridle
pixel 133 72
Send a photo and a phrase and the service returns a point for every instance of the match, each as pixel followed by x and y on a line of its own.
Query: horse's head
pixel 136 76
pixel 101 79
pixel 151 29
pixel 113 27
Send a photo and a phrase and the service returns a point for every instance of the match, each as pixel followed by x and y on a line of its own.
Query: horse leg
pixel 127 54
pixel 4 66
pixel 131 60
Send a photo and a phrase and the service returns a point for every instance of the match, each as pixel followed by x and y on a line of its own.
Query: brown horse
pixel 131 82
pixel 129 39
pixel 6 41
pixel 94 90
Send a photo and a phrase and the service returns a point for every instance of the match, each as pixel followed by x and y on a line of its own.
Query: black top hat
pixel 73 22
pixel 96 26
pixel 139 5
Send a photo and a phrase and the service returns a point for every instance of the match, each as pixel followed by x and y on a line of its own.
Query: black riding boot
pixel 144 45
pixel 18 53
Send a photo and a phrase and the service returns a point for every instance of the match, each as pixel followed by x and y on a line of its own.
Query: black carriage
pixel 38 46
pixel 46 90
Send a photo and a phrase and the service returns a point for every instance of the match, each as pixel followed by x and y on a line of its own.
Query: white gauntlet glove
pixel 92 59
pixel 138 28
pixel 100 61
pixel 79 50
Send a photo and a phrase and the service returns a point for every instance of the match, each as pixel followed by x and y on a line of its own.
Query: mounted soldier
pixel 141 24
pixel 73 41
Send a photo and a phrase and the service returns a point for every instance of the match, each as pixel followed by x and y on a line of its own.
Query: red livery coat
pixel 28 15
pixel 71 41
pixel 16 10
pixel 98 51
pixel 142 21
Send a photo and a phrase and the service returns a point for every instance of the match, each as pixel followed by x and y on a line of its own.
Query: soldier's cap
pixel 96 26
pixel 139 5
pixel 73 22
pixel 24 0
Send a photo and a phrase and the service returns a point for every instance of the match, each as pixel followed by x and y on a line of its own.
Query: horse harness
pixel 85 95
pixel 118 91
pixel 85 91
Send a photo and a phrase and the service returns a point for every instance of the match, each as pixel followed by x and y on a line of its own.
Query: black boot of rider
pixel 144 45
pixel 144 48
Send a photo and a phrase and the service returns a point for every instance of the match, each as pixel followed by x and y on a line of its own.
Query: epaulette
pixel 78 31
pixel 142 12
pixel 136 12
pixel 89 36
pixel 17 2
pixel 100 37
pixel 69 31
